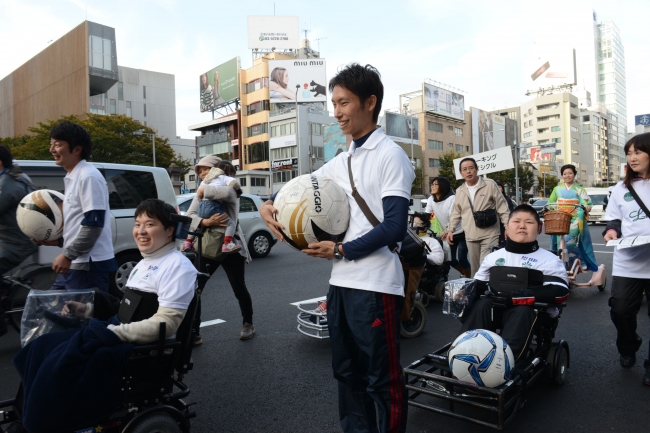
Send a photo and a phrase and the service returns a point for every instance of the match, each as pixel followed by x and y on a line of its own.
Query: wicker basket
pixel 557 222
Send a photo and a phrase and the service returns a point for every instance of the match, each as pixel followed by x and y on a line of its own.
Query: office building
pixel 80 73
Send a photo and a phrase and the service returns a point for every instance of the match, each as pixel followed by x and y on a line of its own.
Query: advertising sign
pixel 489 162
pixel 488 131
pixel 219 86
pixel 623 169
pixel 283 141
pixel 401 128
pixel 284 164
pixel 643 119
pixel 443 102
pixel 273 32
pixel 538 155
pixel 334 141
pixel 305 79
pixel 549 66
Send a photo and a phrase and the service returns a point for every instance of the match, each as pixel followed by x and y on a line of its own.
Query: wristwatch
pixel 337 254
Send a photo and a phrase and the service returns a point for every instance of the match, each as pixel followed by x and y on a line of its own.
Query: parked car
pixel 260 239
pixel 599 198
pixel 128 185
pixel 534 199
pixel 538 205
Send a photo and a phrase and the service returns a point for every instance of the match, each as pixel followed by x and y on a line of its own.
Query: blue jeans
pixel 459 247
pixel 207 208
pixel 76 279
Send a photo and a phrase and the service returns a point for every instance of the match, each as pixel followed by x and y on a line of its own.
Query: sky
pixel 477 47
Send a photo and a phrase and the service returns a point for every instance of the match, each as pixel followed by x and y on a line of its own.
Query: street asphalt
pixel 281 380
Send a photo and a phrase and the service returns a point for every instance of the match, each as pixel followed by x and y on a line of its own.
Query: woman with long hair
pixel 627 216
pixel 206 93
pixel 578 241
pixel 217 99
pixel 440 203
pixel 279 85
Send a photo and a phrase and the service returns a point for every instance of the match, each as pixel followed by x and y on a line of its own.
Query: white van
pixel 599 198
pixel 128 185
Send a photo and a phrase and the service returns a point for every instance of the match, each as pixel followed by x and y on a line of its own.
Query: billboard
pixel 643 119
pixel 219 86
pixel 334 141
pixel 488 131
pixel 443 102
pixel 401 128
pixel 549 66
pixel 538 155
pixel 273 32
pixel 305 79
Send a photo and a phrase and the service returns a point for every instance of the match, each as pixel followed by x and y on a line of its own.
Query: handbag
pixel 212 243
pixel 412 255
pixel 638 201
pixel 483 218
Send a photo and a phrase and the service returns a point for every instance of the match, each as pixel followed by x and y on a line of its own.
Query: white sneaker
pixel 230 248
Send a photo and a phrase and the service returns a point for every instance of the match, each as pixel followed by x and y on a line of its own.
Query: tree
pixel 447 168
pixel 551 182
pixel 113 142
pixel 417 182
pixel 507 178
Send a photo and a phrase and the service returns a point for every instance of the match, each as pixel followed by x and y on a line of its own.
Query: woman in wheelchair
pixel 516 277
pixel 74 378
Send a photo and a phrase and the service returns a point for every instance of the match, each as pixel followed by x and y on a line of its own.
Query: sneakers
pixel 230 248
pixel 247 332
pixel 627 361
pixel 197 340
pixel 188 245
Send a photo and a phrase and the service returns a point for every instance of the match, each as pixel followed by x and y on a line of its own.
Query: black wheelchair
pixel 431 385
pixel 153 390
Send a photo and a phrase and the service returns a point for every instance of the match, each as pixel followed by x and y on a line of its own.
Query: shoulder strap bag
pixel 482 218
pixel 638 201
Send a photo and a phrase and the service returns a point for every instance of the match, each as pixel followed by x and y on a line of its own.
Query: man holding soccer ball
pixel 87 257
pixel 367 282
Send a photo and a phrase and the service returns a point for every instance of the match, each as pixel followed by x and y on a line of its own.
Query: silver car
pixel 260 239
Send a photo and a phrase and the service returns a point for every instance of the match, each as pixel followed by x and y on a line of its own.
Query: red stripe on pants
pixel 395 384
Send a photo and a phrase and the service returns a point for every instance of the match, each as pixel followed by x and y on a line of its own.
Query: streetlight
pixel 153 142
pixel 544 174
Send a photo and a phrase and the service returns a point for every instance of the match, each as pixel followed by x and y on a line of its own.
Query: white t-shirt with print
pixel 86 190
pixel 631 262
pixel 172 276
pixel 380 168
pixel 542 260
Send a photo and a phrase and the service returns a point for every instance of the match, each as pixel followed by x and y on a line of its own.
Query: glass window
pixel 528 134
pixel 451 128
pixel 434 163
pixel 292 128
pixel 242 182
pixel 451 145
pixel 556 140
pixel 246 204
pixel 128 108
pixel 434 144
pixel 284 176
pixel 145 110
pixel 258 181
pixel 467 149
pixel 128 188
pixel 144 92
pixel 258 152
pixel 46 177
pixel 283 129
pixel 113 108
pixel 574 129
pixel 183 207
pixel 120 91
pixel 459 148
pixel 458 132
pixel 555 128
pixel 434 126
pixel 192 177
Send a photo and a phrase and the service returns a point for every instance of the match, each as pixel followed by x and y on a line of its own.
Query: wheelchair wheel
pixel 424 298
pixel 439 292
pixel 558 358
pixel 416 323
pixel 157 423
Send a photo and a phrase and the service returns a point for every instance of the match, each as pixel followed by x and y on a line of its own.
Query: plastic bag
pixel 436 227
pixel 459 295
pixel 446 249
pixel 44 312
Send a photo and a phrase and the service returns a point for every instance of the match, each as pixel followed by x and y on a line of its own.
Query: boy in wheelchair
pixel 515 278
pixel 74 378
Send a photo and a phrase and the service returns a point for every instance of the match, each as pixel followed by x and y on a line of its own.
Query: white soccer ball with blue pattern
pixel 481 358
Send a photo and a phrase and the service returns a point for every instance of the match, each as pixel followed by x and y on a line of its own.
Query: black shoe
pixel 646 377
pixel 197 340
pixel 627 361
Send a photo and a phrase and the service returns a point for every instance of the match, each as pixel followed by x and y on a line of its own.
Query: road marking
pixel 322 298
pixel 212 322
pixel 604 252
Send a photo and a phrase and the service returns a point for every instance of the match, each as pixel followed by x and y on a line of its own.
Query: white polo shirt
pixel 631 262
pixel 380 168
pixel 86 190
pixel 171 275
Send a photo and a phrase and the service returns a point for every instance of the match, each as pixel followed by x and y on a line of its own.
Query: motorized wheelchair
pixel 431 385
pixel 153 390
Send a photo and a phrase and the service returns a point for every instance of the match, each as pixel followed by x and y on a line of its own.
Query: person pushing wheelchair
pixel 517 276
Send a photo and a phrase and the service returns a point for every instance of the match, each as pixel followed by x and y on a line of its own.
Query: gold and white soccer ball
pixel 40 215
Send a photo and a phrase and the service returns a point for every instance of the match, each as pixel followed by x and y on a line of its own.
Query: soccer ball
pixel 40 215
pixel 481 358
pixel 312 209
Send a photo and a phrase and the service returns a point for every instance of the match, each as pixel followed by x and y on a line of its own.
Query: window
pixel 530 122
pixel 434 126
pixel 458 132
pixel 145 123
pixel 459 148
pixel 260 128
pixel 316 129
pixel 145 110
pixel 574 129
pixel 256 107
pixel 242 182
pixel 258 84
pixel 258 181
pixel 128 108
pixel 556 140
pixel 284 153
pixel 144 92
pixel 257 152
pixel 284 176
pixel 292 128
pixel 585 118
pixel 128 188
pixel 318 152
pixel 192 177
pixel 555 128
pixel 547 106
pixel 434 144
pixel 586 135
pixel 451 145
pixel 451 128
pixel 120 91
pixel 525 124
pixel 545 118
pixel 530 111
pixel 113 107
pixel 467 149
pixel 100 52
pixel 586 127
pixel 528 134
pixel 46 177
pixel 283 129
pixel 246 204
pixel 434 163
pixel 542 130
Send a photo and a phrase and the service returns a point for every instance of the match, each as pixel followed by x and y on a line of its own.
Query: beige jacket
pixel 488 196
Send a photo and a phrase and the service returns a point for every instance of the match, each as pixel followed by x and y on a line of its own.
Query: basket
pixel 557 222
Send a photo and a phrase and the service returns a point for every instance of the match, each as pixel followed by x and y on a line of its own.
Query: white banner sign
pixel 489 162
pixel 273 32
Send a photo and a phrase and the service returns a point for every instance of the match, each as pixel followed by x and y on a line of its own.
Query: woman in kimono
pixel 578 241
